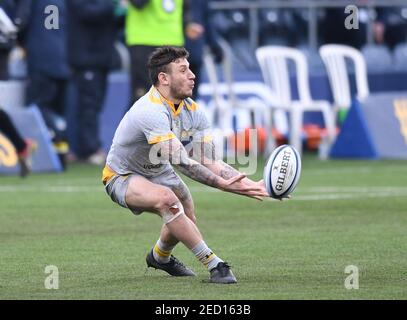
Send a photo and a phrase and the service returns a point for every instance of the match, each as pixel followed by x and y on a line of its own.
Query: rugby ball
pixel 282 171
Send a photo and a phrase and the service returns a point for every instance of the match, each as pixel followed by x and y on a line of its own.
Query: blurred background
pixel 326 76
pixel 290 70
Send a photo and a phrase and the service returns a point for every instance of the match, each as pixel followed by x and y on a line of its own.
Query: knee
pixel 169 207
pixel 167 199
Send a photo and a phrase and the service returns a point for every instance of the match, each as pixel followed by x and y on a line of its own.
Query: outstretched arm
pixel 173 151
pixel 210 160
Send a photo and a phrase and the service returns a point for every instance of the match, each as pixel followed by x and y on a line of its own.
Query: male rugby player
pixel 162 130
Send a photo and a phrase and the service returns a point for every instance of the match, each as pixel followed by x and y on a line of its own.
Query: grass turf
pixel 342 213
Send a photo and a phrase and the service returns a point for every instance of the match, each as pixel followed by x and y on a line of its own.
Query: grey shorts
pixel 117 186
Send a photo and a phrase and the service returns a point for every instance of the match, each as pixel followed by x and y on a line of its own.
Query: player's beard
pixel 180 94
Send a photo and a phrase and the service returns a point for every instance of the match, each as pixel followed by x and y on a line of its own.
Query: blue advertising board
pixel 31 125
pixel 374 129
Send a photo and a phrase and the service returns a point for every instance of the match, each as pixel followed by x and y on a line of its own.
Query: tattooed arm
pixel 173 151
pixel 205 153
pixel 208 157
pixel 223 170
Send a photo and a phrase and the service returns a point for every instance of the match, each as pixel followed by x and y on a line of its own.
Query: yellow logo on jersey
pixel 8 155
pixel 184 135
pixel 400 110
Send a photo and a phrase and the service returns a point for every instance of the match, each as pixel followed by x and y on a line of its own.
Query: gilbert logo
pixel 283 170
pixel 8 156
pixel 400 110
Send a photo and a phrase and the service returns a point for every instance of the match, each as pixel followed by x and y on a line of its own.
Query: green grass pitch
pixel 342 213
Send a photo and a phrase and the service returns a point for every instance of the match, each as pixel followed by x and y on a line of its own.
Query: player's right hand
pixel 238 186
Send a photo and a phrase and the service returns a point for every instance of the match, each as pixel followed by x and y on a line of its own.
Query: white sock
pixel 162 251
pixel 206 255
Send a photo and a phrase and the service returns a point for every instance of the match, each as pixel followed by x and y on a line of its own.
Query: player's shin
pixel 187 232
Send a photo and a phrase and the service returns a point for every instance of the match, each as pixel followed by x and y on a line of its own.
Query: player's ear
pixel 163 78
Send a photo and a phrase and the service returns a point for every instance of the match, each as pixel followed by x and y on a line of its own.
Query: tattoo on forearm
pixel 182 192
pixel 204 152
pixel 178 157
pixel 227 171
pixel 199 173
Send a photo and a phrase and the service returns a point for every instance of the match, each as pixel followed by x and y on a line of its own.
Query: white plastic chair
pixel 334 56
pixel 400 57
pixel 218 104
pixel 273 62
pixel 378 58
pixel 227 97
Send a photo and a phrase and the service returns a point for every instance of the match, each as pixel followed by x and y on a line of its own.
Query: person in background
pixel 45 42
pixel 390 27
pixel 13 14
pixel 91 38
pixel 198 33
pixel 150 24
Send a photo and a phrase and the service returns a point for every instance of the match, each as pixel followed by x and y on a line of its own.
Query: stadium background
pixel 344 212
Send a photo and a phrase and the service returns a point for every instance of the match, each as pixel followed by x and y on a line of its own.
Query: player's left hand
pixel 239 185
pixel 258 185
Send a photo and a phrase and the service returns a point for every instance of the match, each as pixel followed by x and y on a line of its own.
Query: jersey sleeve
pixel 155 125
pixel 202 127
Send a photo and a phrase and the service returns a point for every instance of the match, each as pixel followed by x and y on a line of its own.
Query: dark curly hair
pixel 161 58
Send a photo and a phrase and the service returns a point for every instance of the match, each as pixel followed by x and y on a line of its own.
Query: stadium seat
pixel 316 66
pixel 400 57
pixel 244 53
pixel 230 98
pixel 222 23
pixel 124 56
pixel 378 58
pixel 275 27
pixel 234 26
pixel 334 57
pixel 273 61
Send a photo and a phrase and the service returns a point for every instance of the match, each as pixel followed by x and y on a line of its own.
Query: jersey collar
pixel 156 97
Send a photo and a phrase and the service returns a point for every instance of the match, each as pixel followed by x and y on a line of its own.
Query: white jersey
pixel 150 120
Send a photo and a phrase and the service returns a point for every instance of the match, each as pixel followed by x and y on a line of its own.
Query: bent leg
pixel 143 195
pixel 183 194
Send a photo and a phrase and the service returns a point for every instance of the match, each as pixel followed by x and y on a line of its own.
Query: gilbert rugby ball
pixel 282 171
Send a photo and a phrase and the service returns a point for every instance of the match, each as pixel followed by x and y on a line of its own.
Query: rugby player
pixel 163 130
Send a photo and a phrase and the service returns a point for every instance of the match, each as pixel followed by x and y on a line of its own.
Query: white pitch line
pixel 94 188
pixel 338 170
pixel 57 189
pixel 312 194
pixel 353 189
pixel 345 196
